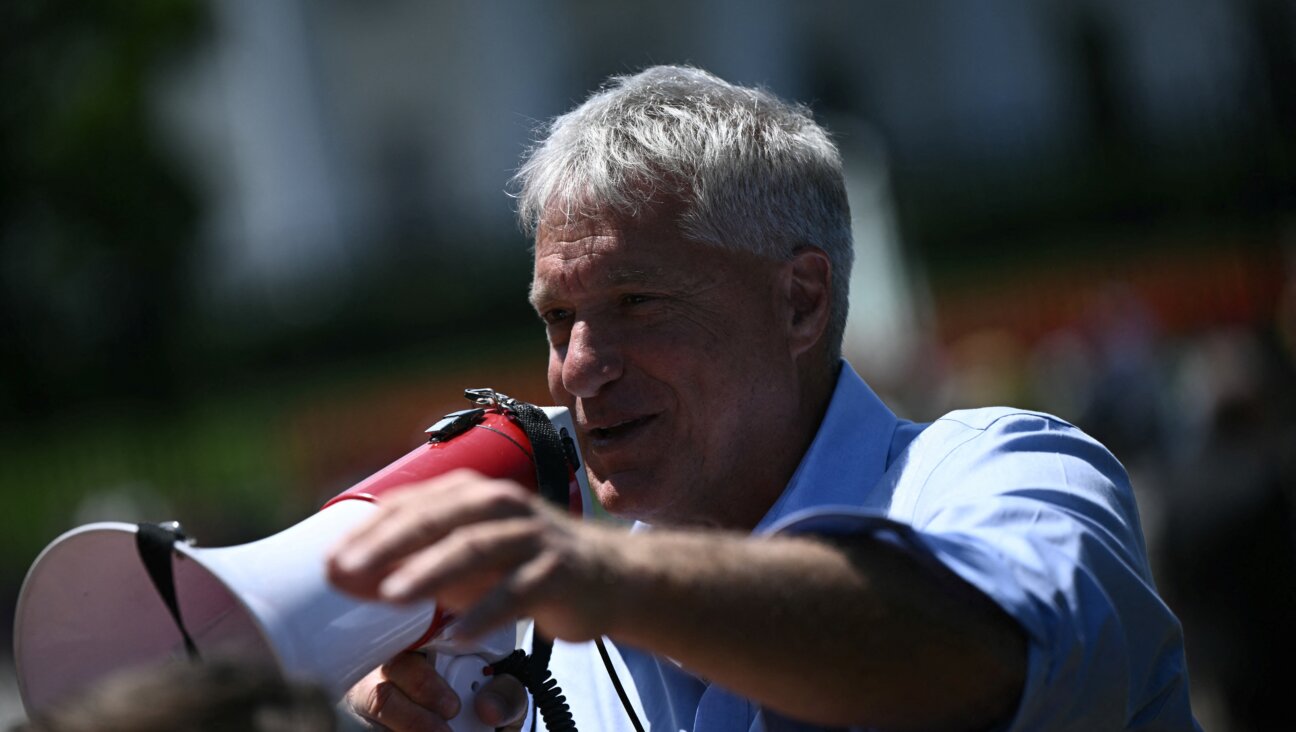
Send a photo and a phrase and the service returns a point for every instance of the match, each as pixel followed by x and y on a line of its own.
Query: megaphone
pixel 91 606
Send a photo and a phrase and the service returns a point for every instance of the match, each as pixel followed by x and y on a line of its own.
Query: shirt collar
pixel 849 451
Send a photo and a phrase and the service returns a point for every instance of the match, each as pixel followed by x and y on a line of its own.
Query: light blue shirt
pixel 1023 506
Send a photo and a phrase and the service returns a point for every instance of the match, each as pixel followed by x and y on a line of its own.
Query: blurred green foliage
pixel 203 467
pixel 96 225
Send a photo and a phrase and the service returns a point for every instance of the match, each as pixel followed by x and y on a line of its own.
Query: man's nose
pixel 593 360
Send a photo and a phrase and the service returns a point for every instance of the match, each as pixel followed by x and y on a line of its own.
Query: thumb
pixel 502 702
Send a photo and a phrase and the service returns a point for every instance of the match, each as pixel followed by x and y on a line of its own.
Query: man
pixel 805 559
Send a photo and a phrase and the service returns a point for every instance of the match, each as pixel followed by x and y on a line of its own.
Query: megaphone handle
pixel 464 674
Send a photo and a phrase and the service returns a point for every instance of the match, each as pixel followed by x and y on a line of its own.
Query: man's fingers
pixel 380 701
pixel 415 518
pixel 471 559
pixel 509 598
pixel 502 702
pixel 415 675
pixel 408 518
pixel 407 695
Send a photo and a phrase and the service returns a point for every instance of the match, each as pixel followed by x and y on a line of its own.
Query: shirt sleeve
pixel 1041 518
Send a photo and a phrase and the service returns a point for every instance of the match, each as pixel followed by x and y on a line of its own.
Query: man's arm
pixel 855 632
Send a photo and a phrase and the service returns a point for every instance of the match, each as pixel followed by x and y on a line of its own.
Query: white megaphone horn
pixel 89 605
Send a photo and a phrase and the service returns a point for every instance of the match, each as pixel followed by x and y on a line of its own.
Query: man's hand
pixel 489 550
pixel 407 695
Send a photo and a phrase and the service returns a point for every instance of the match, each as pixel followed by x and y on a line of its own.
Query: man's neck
pixel 817 388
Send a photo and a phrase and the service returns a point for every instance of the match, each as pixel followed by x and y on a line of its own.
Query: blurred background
pixel 250 250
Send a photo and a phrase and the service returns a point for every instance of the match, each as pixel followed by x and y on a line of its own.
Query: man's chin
pixel 648 502
pixel 629 495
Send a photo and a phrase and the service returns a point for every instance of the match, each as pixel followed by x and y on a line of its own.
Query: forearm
pixel 835 634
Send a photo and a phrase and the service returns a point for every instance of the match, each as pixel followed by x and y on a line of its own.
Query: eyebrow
pixel 535 295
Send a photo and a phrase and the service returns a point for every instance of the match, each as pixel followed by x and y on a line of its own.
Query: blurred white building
pixel 328 135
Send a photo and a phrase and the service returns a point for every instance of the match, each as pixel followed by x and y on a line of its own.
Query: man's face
pixel 674 362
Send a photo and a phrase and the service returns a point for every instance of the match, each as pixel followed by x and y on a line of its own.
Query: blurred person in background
pixel 804 558
pixel 208 697
pixel 1231 564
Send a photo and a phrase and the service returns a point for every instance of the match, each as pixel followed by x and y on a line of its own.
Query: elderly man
pixel 804 559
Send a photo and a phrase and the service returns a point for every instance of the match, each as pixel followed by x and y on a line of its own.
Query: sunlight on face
pixel 669 354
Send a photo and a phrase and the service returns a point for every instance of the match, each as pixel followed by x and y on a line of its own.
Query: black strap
pixel 547 449
pixel 154 543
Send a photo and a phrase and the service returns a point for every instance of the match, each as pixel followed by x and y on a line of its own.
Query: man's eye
pixel 554 316
pixel 635 299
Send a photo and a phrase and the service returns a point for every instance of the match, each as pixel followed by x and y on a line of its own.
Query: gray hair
pixel 754 173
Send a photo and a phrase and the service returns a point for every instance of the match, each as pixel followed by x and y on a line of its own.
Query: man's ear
pixel 808 289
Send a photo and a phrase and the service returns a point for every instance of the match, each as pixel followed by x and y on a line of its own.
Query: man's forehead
pixel 612 266
pixel 595 233
pixel 626 248
pixel 579 252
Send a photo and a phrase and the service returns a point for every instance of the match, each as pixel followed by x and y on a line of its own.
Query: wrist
pixel 630 580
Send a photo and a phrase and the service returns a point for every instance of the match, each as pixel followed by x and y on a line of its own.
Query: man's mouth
pixel 619 430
